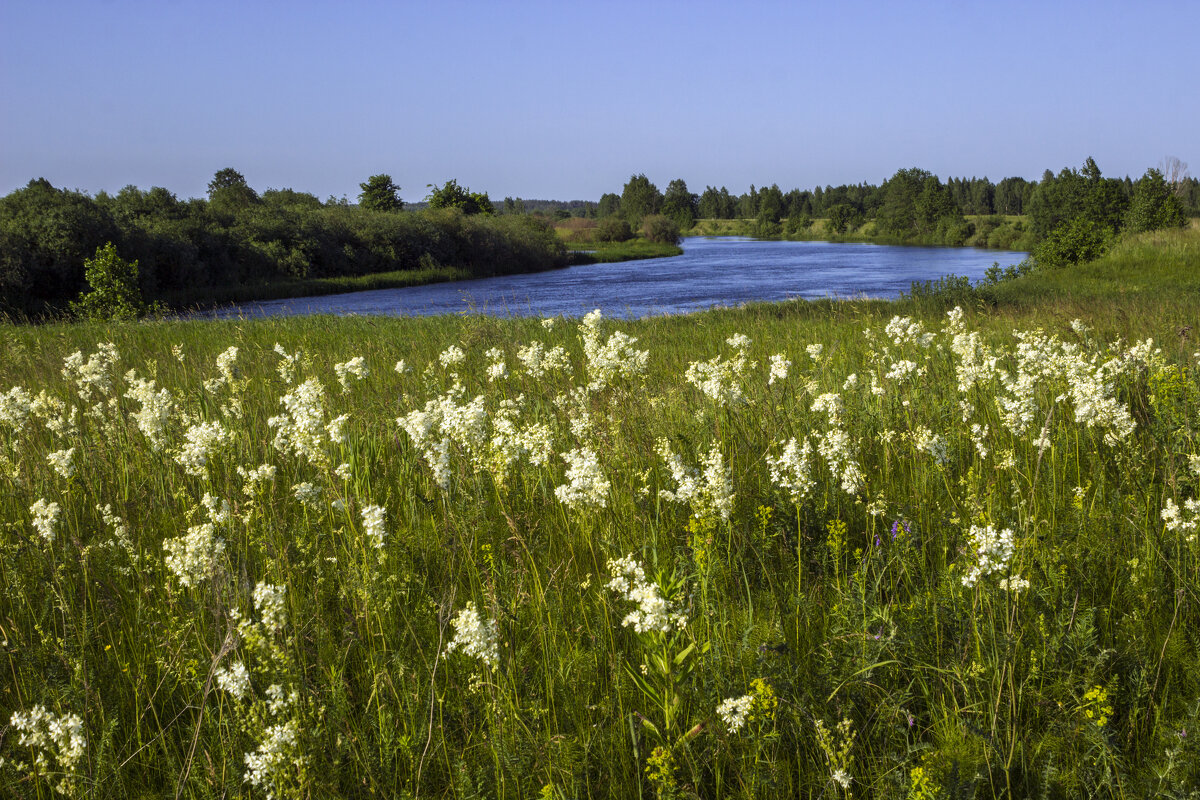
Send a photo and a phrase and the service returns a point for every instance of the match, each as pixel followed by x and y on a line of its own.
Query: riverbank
pixel 207 297
pixel 996 232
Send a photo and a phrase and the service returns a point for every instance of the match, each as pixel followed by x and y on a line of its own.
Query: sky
pixel 564 100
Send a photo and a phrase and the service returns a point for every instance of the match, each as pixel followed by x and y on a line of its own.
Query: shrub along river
pixel 722 271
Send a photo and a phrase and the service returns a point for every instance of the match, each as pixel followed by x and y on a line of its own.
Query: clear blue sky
pixel 566 100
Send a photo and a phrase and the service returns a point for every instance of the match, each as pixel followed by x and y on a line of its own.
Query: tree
pixel 840 218
pixel 451 195
pixel 679 204
pixel 610 205
pixel 115 294
pixel 1154 205
pixel 639 198
pixel 228 191
pixel 660 228
pixel 379 193
pixel 1175 173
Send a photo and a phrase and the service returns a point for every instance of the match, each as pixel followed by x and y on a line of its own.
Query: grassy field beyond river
pixel 939 547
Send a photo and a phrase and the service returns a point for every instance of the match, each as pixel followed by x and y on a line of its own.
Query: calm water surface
pixel 724 271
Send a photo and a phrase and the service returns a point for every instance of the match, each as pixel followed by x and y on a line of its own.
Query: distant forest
pixel 236 236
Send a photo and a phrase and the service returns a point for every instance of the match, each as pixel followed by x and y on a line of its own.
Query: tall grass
pixel 842 619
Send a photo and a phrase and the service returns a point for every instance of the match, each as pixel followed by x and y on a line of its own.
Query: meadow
pixel 941 547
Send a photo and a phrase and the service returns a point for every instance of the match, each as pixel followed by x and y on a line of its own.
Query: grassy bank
pixel 631 250
pixel 204 297
pixel 1001 232
pixel 816 549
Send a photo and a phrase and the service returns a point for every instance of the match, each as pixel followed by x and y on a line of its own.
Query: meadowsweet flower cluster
pixel 760 704
pixel 791 471
pixel 613 360
pixel 276 756
pixel 45 518
pixel 586 485
pixel 157 409
pixel 93 375
pixel 195 556
pixel 1186 520
pixel 355 368
pixel 271 604
pixel 474 637
pixel 301 429
pixel 234 679
pixel 374 520
pixel 200 440
pixel 779 369
pixel 256 477
pixel 58 741
pixel 991 550
pixel 653 613
pixel 733 711
pixel 452 356
pixel 709 491
pixel 62 462
pixel 722 379
pixel 539 362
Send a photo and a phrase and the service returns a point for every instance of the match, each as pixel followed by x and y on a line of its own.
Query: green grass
pixel 842 605
pixel 309 287
pixel 610 252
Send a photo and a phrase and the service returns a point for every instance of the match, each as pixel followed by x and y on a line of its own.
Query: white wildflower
pixel 57 736
pixel 194 557
pixel 354 368
pixel 271 604
pixel 307 493
pixel 267 765
pixel 709 491
pixel 779 369
pixel 253 478
pixel 474 637
pixel 991 550
pixel 734 711
pixel 611 360
pixel 814 351
pixel 157 407
pixel 586 485
pixel 335 429
pixel 93 375
pixel 375 525
pixel 790 471
pixel 452 356
pixel 653 612
pixel 62 462
pixel 45 518
pixel 199 442
pixel 235 679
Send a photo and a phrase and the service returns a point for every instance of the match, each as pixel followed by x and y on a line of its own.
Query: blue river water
pixel 722 271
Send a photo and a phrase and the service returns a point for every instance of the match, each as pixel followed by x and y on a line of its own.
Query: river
pixel 721 271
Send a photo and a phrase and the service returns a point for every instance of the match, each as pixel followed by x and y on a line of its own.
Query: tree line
pixel 237 236
pixel 913 205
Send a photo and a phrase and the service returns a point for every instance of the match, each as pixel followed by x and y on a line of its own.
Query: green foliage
pixel 115 295
pixel 661 229
pixel 1074 242
pixel 639 198
pixel 1154 205
pixel 612 229
pixel 451 195
pixel 228 192
pixel 379 193
pixel 680 204
pixel 842 217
